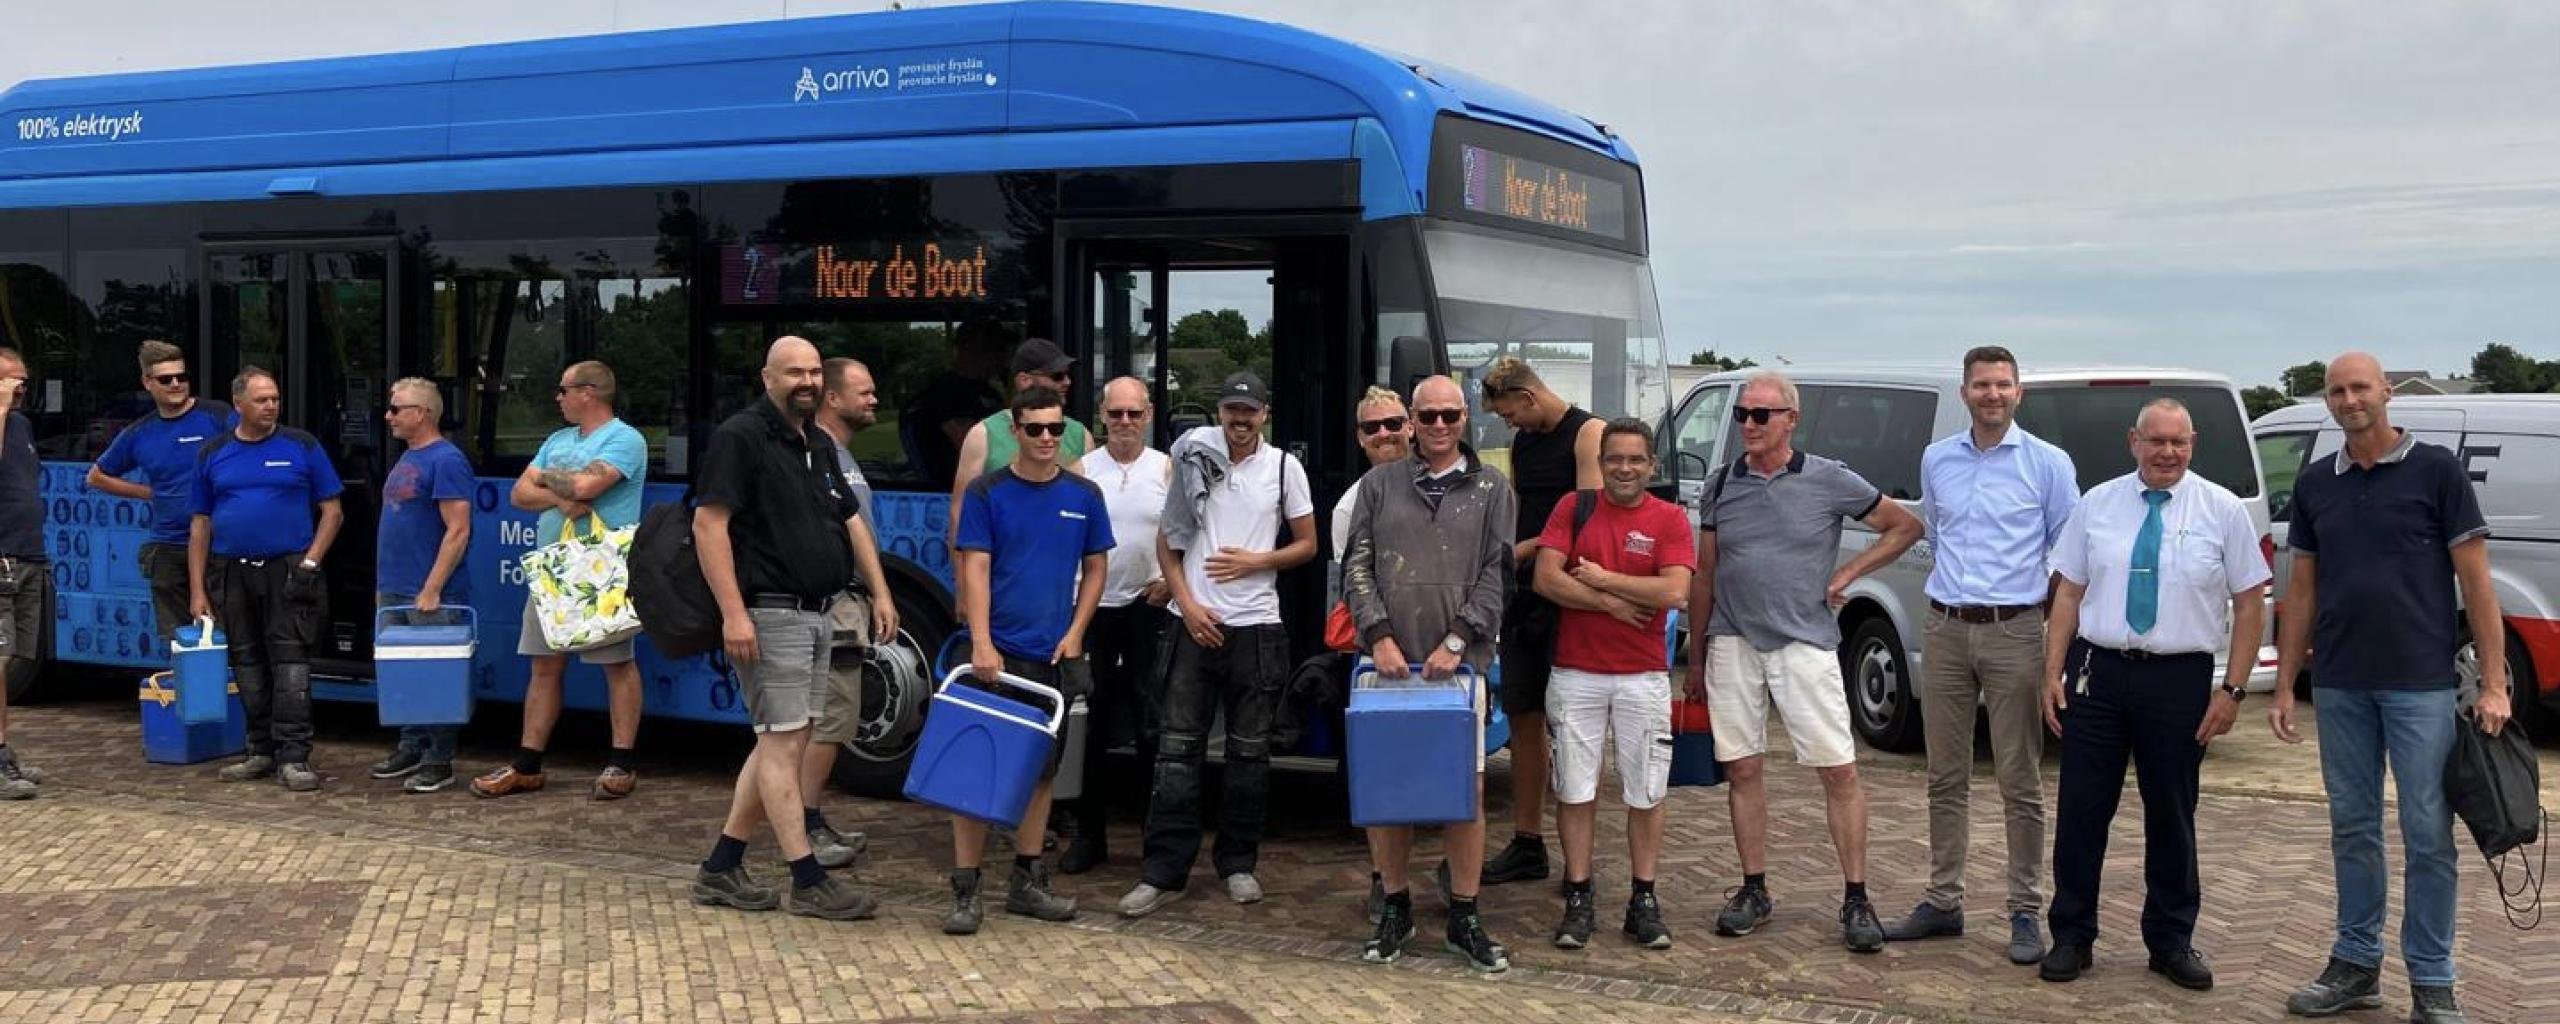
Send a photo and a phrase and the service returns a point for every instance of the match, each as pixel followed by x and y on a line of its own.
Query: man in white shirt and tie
pixel 2160 568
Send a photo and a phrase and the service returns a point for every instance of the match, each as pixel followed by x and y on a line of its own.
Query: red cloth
pixel 1639 541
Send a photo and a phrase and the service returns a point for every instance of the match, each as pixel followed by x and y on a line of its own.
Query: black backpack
pixel 667 589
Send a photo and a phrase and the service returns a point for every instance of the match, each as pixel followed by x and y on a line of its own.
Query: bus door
pixel 320 316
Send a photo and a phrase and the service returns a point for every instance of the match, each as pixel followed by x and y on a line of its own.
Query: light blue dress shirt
pixel 1993 514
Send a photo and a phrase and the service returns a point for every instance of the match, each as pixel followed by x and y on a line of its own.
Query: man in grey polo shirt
pixel 1763 632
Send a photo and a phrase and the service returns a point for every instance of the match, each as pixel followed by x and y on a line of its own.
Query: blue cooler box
pixel 201 659
pixel 1414 747
pixel 422 673
pixel 981 753
pixel 168 740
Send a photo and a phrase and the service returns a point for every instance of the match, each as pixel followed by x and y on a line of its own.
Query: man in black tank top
pixel 1555 451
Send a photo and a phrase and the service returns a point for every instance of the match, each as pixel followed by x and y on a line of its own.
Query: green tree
pixel 2303 380
pixel 2262 400
pixel 1708 357
pixel 2500 368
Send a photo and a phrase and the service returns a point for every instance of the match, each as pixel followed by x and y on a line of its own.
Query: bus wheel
pixel 1884 705
pixel 897 681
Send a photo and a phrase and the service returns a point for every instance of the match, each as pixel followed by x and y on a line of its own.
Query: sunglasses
pixel 169 380
pixel 1754 414
pixel 1124 414
pixel 1061 377
pixel 406 408
pixel 1439 417
pixel 564 389
pixel 1388 425
pixel 1057 429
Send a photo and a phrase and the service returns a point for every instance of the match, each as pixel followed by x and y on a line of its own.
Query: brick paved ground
pixel 550 906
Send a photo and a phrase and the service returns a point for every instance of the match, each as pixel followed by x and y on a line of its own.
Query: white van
pixel 1878 420
pixel 2511 444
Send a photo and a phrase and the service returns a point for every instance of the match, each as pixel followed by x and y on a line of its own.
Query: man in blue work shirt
pixel 253 562
pixel 1994 499
pixel 417 561
pixel 163 446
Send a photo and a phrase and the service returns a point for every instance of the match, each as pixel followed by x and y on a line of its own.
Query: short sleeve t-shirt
pixel 1037 536
pixel 1777 538
pixel 615 444
pixel 21 508
pixel 1639 541
pixel 259 494
pixel 164 448
pixel 850 469
pixel 1243 512
pixel 2384 539
pixel 413 494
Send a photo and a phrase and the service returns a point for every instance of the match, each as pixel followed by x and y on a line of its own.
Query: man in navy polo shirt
pixel 2381 534
pixel 253 561
pixel 163 446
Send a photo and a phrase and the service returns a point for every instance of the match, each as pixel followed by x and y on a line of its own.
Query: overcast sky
pixel 2236 186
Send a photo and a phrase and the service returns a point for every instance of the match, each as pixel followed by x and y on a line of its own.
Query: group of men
pixel 1146 582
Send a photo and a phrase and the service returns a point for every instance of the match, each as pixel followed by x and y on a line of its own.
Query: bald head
pixel 1440 420
pixel 789 349
pixel 1438 390
pixel 1127 390
pixel 2356 392
pixel 1128 416
pixel 794 378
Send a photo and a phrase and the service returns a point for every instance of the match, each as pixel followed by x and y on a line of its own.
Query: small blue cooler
pixel 422 673
pixel 166 740
pixel 201 658
pixel 981 753
pixel 1415 747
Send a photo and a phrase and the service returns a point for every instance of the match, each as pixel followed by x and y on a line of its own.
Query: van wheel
pixel 897 681
pixel 2523 700
pixel 1884 705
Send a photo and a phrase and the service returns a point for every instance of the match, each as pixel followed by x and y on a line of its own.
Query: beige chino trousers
pixel 1999 665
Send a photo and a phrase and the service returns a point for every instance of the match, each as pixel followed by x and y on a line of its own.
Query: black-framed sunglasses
pixel 564 389
pixel 1438 417
pixel 1124 414
pixel 1057 429
pixel 1756 414
pixel 169 380
pixel 1388 425
pixel 397 408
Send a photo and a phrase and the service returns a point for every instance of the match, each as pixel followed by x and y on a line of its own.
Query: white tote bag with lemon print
pixel 580 587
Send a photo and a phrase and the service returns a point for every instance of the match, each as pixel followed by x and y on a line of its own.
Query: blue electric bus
pixel 1168 194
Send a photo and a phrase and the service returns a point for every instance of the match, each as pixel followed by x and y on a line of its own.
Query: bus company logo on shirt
pixel 1638 543
pixel 279 464
pixel 1067 514
pixel 191 440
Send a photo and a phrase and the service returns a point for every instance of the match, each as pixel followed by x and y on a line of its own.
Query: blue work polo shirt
pixel 2383 540
pixel 164 448
pixel 259 493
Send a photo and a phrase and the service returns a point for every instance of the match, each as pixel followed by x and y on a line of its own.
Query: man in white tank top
pixel 1122 642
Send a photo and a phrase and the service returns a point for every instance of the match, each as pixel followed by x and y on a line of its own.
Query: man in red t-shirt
pixel 1616 575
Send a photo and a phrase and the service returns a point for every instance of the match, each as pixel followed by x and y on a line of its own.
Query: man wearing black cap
pixel 1037 363
pixel 1231 497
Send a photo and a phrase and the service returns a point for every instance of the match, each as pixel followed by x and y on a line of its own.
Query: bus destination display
pixel 762 273
pixel 1501 185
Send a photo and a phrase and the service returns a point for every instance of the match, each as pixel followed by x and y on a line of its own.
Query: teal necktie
pixel 2142 590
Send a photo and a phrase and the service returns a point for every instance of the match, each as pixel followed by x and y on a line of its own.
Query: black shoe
pixel 832 900
pixel 2065 962
pixel 1084 854
pixel 400 763
pixel 2341 987
pixel 1926 921
pixel 1859 929
pixel 429 778
pixel 1395 928
pixel 1027 894
pixel 1745 908
pixel 2186 968
pixel 968 907
pixel 1644 925
pixel 2433 1004
pixel 732 888
pixel 1575 931
pixel 1525 860
pixel 1466 938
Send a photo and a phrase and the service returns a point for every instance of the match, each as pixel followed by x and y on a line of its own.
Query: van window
pixel 2280 455
pixel 2091 423
pixel 1878 432
pixel 1693 439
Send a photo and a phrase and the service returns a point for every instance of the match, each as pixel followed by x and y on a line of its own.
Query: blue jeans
pixel 2414 730
pixel 432 743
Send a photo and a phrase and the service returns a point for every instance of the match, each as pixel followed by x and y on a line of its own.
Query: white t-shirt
pixel 1342 511
pixel 1135 495
pixel 1244 512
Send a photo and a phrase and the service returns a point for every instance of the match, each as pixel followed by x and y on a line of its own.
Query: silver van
pixel 1878 420
pixel 2511 444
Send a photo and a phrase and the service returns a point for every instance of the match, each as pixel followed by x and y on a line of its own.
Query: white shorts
pixel 1585 708
pixel 1801 679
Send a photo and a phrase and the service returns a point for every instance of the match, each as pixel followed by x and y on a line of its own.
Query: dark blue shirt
pixel 413 520
pixel 21 508
pixel 2383 542
pixel 164 448
pixel 1037 536
pixel 259 494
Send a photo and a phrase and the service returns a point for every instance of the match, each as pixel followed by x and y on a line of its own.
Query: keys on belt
pixel 1979 614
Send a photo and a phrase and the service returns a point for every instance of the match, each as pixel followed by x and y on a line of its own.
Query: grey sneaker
pixel 1395 928
pixel 2433 1004
pixel 733 889
pixel 429 778
pixel 1242 887
pixel 400 763
pixel 832 900
pixel 968 909
pixel 1147 899
pixel 1927 921
pixel 2026 941
pixel 1858 928
pixel 249 769
pixel 15 783
pixel 834 849
pixel 1644 925
pixel 2341 987
pixel 1745 908
pixel 1574 932
pixel 1028 895
pixel 298 777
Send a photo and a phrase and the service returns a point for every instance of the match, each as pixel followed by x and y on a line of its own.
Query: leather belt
pixel 1979 614
pixel 787 602
pixel 2131 654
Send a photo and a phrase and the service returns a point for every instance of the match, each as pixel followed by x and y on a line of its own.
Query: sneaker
pixel 298 777
pixel 2065 963
pixel 1746 907
pixel 1574 932
pixel 614 784
pixel 400 763
pixel 2433 1004
pixel 1028 895
pixel 1242 887
pixel 968 910
pixel 1084 854
pixel 31 773
pixel 429 778
pixel 2341 987
pixel 732 889
pixel 2185 968
pixel 1644 925
pixel 832 900
pixel 1926 921
pixel 1147 899
pixel 1525 860
pixel 1377 904
pixel 1858 928
pixel 505 780
pixel 249 769
pixel 1395 927
pixel 834 850
pixel 1467 939
pixel 14 781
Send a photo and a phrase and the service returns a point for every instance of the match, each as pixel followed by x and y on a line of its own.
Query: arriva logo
pixel 813 85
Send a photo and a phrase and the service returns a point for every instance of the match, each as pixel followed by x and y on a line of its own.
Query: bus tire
pixel 1884 701
pixel 895 689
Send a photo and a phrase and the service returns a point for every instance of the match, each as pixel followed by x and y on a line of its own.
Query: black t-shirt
pixel 1543 470
pixel 21 508
pixel 950 397
pixel 787 504
pixel 2383 539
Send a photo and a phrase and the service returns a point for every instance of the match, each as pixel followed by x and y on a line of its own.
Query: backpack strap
pixel 1586 503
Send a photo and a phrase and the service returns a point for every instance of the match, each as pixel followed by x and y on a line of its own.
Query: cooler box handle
pixel 1057 701
pixel 1364 674
pixel 469 617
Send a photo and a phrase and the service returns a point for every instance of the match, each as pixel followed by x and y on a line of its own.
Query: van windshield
pixel 2090 423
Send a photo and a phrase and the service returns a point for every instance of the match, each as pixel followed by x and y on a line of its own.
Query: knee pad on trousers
pixel 1248 751
pixel 1181 747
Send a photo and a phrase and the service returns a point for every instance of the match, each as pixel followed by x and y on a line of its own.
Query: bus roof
pixel 1012 86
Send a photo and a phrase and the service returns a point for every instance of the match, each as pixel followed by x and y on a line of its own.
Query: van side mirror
pixel 1689 472
pixel 1409 359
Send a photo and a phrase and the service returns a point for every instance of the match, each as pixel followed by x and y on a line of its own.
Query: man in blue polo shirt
pixel 163 446
pixel 2381 534
pixel 417 561
pixel 253 561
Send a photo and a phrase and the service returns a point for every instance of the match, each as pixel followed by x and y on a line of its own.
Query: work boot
pixel 1524 860
pixel 968 910
pixel 249 769
pixel 831 900
pixel 298 777
pixel 2341 987
pixel 732 888
pixel 2433 1004
pixel 834 849
pixel 14 782
pixel 1027 894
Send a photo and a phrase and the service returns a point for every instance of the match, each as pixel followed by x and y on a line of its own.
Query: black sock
pixel 1583 887
pixel 1857 891
pixel 618 757
pixel 805 872
pixel 969 875
pixel 1461 907
pixel 1401 899
pixel 1518 836
pixel 1642 887
pixel 528 761
pixel 1757 881
pixel 811 820
pixel 1025 861
pixel 726 854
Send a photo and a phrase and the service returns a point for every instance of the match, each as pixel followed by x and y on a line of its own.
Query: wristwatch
pixel 1454 644
pixel 2237 693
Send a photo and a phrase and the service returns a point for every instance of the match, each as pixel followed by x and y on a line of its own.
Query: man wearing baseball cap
pixel 1037 362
